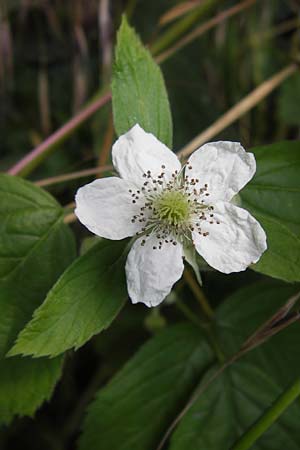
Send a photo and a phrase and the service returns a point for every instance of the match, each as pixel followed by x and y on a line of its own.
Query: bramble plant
pixel 205 371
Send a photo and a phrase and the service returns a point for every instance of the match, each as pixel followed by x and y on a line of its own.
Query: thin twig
pixel 238 110
pixel 70 218
pixel 199 31
pixel 73 175
pixel 46 146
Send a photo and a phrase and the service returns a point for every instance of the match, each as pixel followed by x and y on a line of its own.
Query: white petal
pixel 136 152
pixel 235 243
pixel 224 166
pixel 150 272
pixel 105 207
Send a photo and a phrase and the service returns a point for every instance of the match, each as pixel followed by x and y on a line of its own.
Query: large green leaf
pixel 25 383
pixel 35 247
pixel 135 408
pixel 229 406
pixel 84 301
pixel 138 89
pixel 139 404
pixel 237 398
pixel 273 197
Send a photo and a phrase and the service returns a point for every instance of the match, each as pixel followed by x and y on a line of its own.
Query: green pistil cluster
pixel 172 208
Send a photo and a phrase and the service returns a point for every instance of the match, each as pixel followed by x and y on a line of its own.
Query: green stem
pixel 199 294
pixel 190 315
pixel 268 418
pixel 206 328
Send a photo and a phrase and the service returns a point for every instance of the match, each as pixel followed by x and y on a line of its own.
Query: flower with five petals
pixel 168 207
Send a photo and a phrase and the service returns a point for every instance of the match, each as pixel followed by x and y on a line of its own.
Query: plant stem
pixel 197 291
pixel 190 315
pixel 269 417
pixel 32 159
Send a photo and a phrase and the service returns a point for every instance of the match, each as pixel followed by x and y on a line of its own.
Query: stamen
pixel 170 209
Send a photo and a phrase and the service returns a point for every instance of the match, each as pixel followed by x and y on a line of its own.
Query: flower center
pixel 172 207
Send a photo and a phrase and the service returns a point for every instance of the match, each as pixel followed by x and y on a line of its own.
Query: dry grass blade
pixel 280 320
pixel 177 11
pixel 106 43
pixel 219 18
pixel 6 53
pixel 44 103
pixel 234 113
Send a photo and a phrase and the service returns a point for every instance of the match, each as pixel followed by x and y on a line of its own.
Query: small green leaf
pixel 138 90
pixel 35 248
pixel 138 404
pixel 83 302
pixel 273 197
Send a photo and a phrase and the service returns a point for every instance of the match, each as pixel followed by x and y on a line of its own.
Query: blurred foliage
pixel 51 64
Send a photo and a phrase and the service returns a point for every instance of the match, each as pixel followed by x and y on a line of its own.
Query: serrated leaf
pixel 25 384
pixel 35 248
pixel 237 398
pixel 232 404
pixel 273 197
pixel 138 404
pixel 136 408
pixel 84 301
pixel 282 259
pixel 138 90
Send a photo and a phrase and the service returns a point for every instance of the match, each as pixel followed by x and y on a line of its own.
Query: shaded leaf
pixel 84 301
pixel 237 398
pixel 139 403
pixel 35 248
pixel 273 197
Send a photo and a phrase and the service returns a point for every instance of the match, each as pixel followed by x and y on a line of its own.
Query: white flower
pixel 168 207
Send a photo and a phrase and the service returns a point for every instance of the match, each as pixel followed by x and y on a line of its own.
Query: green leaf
pixel 237 398
pixel 136 408
pixel 26 383
pixel 138 90
pixel 83 302
pixel 138 404
pixel 282 259
pixel 273 197
pixel 35 247
pixel 229 406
